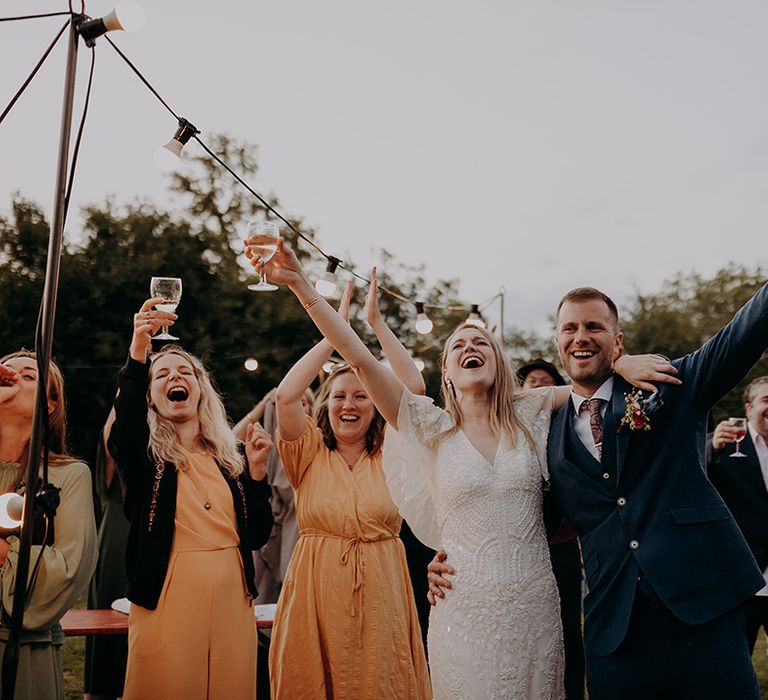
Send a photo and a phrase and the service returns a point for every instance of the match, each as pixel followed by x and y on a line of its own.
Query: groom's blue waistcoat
pixel 648 509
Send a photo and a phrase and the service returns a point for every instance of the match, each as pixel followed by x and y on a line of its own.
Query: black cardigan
pixel 150 496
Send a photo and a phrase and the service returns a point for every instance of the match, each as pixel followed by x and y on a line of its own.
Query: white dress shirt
pixel 581 420
pixel 761 447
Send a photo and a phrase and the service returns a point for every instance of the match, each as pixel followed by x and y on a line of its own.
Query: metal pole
pixel 50 289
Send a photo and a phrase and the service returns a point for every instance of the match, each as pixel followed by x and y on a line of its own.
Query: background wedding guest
pixel 538 373
pixel 271 561
pixel 197 510
pixel 565 554
pixel 743 484
pixel 347 602
pixel 106 654
pixel 69 557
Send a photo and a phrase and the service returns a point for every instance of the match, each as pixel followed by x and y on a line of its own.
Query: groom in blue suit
pixel 666 565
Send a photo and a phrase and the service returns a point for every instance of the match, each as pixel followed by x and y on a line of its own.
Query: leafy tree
pixel 214 198
pixel 686 312
pixel 105 278
pixel 219 204
pixel 23 245
pixel 523 346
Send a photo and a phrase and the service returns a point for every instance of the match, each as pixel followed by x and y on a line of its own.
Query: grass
pixel 73 653
pixel 73 660
pixel 760 660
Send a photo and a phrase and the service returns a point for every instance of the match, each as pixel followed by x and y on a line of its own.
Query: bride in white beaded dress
pixel 468 479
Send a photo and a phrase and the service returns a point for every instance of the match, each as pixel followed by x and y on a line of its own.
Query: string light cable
pixel 46 14
pixel 34 71
pixel 294 229
pixel 195 134
pixel 78 139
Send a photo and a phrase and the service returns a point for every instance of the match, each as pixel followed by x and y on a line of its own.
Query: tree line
pixel 106 268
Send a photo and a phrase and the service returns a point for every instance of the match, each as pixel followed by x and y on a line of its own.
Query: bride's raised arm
pixel 290 411
pixel 399 358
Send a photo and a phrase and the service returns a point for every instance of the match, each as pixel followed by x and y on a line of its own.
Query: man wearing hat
pixel 539 372
pixel 565 555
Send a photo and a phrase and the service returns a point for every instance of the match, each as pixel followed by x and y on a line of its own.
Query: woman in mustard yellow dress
pixel 346 624
pixel 197 510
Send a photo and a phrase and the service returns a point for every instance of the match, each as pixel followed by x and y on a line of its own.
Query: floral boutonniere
pixel 635 416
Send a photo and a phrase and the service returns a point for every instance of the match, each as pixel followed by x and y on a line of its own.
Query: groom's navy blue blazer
pixel 648 508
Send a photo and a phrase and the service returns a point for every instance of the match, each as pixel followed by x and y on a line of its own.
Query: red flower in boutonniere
pixel 635 417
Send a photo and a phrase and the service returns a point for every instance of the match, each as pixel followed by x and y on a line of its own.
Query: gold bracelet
pixel 310 303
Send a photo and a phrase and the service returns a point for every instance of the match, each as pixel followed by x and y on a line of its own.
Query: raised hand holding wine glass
pixel 282 266
pixel 168 290
pixel 146 323
pixel 262 241
pixel 740 426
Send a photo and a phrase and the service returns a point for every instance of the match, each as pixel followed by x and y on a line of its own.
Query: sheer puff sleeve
pixel 410 464
pixel 534 409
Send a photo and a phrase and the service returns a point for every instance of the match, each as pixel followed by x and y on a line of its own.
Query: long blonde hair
pixel 503 394
pixel 58 453
pixel 215 431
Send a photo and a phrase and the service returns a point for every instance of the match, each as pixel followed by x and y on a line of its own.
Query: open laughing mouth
pixel 348 418
pixel 177 393
pixel 583 354
pixel 472 362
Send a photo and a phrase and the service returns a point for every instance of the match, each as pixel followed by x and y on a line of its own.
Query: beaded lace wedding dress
pixel 497 633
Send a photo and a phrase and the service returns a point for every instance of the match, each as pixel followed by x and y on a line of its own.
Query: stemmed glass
pixel 740 425
pixel 262 240
pixel 169 288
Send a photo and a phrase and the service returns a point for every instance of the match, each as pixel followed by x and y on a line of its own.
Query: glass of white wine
pixel 262 240
pixel 169 288
pixel 740 425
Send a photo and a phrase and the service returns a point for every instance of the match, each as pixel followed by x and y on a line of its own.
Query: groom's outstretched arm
pixel 723 361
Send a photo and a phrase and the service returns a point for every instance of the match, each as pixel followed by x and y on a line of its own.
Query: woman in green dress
pixel 69 558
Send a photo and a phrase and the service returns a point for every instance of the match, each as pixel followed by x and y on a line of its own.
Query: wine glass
pixel 262 240
pixel 169 288
pixel 740 425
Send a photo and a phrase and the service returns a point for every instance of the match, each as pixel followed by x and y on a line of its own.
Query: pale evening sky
pixel 535 145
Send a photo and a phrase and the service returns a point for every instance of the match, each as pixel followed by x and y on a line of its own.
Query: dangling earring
pixel 449 384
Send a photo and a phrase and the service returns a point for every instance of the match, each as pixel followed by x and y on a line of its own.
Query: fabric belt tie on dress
pixel 352 548
pixel 356 608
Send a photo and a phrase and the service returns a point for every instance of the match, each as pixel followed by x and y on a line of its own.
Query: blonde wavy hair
pixel 503 394
pixel 215 431
pixel 58 453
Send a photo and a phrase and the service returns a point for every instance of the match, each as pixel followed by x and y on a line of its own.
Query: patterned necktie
pixel 595 422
